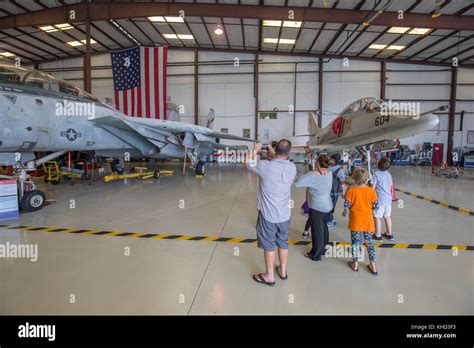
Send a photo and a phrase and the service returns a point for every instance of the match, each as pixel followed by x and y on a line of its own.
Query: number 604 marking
pixel 380 120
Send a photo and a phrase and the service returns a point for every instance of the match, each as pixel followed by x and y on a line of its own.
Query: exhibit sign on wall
pixel 8 200
pixel 470 137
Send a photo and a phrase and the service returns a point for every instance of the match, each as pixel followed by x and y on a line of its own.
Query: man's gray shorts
pixel 271 235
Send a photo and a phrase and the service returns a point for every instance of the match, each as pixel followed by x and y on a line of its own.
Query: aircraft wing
pixel 162 127
pixel 143 134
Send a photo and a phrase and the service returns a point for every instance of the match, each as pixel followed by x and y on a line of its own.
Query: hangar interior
pixel 186 245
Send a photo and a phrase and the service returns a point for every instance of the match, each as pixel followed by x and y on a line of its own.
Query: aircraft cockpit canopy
pixel 16 75
pixel 368 104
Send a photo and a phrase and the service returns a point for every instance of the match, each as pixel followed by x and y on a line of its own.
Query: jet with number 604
pixel 371 124
pixel 39 113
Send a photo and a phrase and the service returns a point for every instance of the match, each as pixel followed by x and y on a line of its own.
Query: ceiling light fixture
pixel 289 24
pixel 219 30
pixel 55 27
pixel 270 40
pixel 271 23
pixel 287 41
pixel 79 43
pixel 377 46
pixel 74 43
pixel 166 19
pixel 419 31
pixel 398 30
pixel 157 19
pixel 179 36
pixel 395 47
pixel 185 37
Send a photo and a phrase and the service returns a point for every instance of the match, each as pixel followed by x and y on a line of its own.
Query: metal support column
pixel 255 93
pixel 452 114
pixel 383 79
pixel 320 92
pixel 294 98
pixel 87 60
pixel 196 86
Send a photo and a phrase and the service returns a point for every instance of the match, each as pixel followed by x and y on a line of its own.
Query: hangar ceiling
pixel 41 30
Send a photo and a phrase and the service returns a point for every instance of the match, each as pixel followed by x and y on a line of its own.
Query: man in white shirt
pixel 274 210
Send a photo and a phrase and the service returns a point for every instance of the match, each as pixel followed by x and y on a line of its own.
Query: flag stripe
pixel 155 81
pixel 147 82
pixel 132 111
pixel 163 71
pixel 117 104
pixel 125 105
pixel 152 84
pixel 139 102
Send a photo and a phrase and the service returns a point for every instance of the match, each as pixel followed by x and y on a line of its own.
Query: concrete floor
pixel 200 277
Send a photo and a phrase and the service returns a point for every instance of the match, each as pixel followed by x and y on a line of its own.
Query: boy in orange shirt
pixel 361 200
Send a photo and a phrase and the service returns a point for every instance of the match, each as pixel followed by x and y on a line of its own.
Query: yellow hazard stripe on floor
pixel 240 240
pixel 439 203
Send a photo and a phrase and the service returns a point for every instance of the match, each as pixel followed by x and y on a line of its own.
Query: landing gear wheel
pixel 156 174
pixel 33 200
pixel 200 168
pixel 117 167
pixel 55 181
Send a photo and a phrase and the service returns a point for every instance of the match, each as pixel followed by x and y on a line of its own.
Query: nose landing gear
pixel 33 200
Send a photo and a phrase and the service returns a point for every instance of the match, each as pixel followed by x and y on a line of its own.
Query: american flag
pixel 140 81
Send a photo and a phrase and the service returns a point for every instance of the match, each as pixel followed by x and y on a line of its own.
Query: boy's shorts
pixel 384 210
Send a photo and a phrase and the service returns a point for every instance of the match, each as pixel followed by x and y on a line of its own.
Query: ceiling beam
pixel 444 49
pixel 208 33
pixel 297 54
pixel 373 41
pixel 466 59
pixel 43 6
pixel 320 31
pixel 243 33
pixel 225 33
pixel 30 35
pixel 342 28
pixel 407 12
pixel 28 44
pixel 107 35
pixel 119 10
pixel 155 29
pixel 433 44
pixel 8 49
pixel 457 54
pixel 406 33
pixel 354 40
pixel 414 42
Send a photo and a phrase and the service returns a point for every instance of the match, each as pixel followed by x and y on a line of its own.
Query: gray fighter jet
pixel 41 113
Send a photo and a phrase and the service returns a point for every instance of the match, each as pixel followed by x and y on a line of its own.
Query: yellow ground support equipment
pixel 138 173
pixel 54 173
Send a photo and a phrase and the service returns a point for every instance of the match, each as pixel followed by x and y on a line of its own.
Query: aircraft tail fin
pixel 313 127
pixel 210 119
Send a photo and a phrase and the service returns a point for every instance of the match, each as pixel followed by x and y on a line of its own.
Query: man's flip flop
pixel 278 272
pixel 259 279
